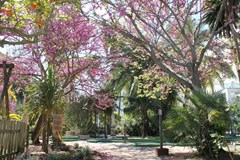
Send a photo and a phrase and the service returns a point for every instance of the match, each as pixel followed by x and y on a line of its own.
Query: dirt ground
pixel 127 151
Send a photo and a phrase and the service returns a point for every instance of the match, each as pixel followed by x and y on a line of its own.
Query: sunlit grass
pixel 138 141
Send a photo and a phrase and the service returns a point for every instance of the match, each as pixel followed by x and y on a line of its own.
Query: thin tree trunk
pixel 105 125
pixel 146 124
pixel 57 129
pixel 37 130
pixel 95 122
pixel 110 123
pixel 144 121
pixel 48 130
pixel 44 134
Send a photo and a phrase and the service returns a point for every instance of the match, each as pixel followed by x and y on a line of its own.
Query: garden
pixel 130 79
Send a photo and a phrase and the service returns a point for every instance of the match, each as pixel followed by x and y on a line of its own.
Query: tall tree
pixel 69 43
pixel 45 96
pixel 172 33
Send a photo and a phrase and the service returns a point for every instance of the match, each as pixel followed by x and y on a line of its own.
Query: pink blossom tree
pixel 72 45
pixel 172 33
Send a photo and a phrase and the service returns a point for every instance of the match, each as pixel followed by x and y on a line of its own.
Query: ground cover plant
pixel 83 153
pixel 72 154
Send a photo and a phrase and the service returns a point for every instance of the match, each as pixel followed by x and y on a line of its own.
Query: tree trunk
pixel 144 121
pixel 105 125
pixel 195 78
pixel 44 134
pixel 37 131
pixel 206 146
pixel 206 141
pixel 109 121
pixel 95 122
pixel 57 129
pixel 48 129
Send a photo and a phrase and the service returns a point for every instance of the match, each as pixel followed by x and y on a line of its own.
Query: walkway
pixel 126 151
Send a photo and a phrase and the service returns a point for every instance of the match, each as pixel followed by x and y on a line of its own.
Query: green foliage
pixel 204 115
pixel 45 95
pixel 219 140
pixel 132 123
pixel 59 156
pixel 230 12
pixel 154 84
pixel 234 111
pixel 142 110
pixel 75 145
pixel 79 115
pixel 84 153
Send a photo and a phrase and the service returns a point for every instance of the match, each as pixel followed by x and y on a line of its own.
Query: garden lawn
pixel 139 142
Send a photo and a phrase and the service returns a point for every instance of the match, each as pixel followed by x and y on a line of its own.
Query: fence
pixel 13 138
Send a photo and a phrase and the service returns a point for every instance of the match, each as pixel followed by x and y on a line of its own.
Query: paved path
pixel 126 151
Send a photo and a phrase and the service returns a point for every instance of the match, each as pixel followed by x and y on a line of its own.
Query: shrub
pixel 196 121
pixel 75 145
pixel 84 153
pixel 59 156
pixel 79 115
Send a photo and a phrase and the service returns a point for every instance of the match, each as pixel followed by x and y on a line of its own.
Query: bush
pixel 75 145
pixel 79 115
pixel 59 156
pixel 84 153
pixel 196 121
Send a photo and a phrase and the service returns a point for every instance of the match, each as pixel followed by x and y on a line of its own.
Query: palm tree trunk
pixel 37 130
pixel 48 129
pixel 57 129
pixel 44 134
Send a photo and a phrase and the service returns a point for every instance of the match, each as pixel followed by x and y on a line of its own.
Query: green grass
pixel 139 142
pixel 154 141
pixel 136 141
pixel 70 138
pixel 233 138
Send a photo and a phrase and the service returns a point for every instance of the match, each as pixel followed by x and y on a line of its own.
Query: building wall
pixel 232 94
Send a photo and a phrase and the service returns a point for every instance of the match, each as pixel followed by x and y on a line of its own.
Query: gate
pixel 13 138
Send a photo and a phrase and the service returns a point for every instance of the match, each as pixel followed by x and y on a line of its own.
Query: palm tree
pixel 217 74
pixel 205 114
pixel 45 96
pixel 229 15
pixel 124 78
pixel 227 23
